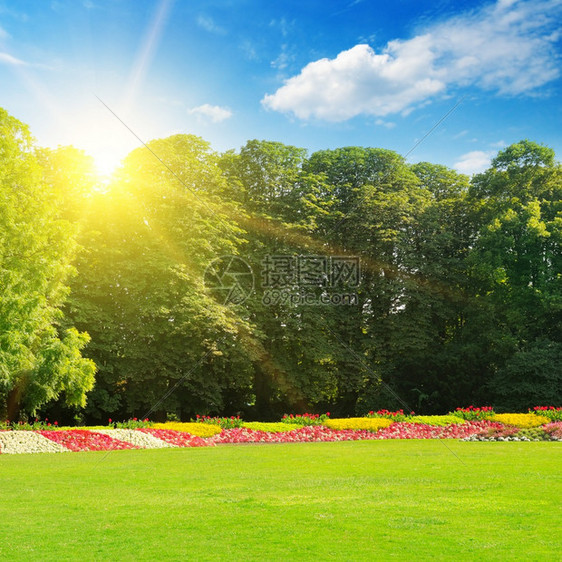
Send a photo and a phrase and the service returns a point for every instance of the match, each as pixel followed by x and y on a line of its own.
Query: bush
pixel 520 420
pixel 369 424
pixel 550 412
pixel 131 424
pixel 471 413
pixel 534 434
pixel 223 423
pixel 305 419
pixel 437 420
pixel 554 430
pixel 397 416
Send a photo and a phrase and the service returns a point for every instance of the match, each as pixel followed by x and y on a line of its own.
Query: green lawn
pixel 407 500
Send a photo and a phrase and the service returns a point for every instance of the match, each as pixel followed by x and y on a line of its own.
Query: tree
pixel 39 360
pixel 161 342
pixel 516 262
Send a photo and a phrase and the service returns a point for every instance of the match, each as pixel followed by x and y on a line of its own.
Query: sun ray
pixel 145 54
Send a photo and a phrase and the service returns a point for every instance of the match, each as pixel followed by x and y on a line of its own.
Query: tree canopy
pixel 457 297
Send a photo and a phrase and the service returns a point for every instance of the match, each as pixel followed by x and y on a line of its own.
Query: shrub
pixel 198 429
pixel 520 420
pixel 493 433
pixel 397 416
pixel 35 425
pixel 369 424
pixel 436 420
pixel 277 427
pixel 133 423
pixel 472 413
pixel 550 412
pixel 305 419
pixel 223 423
pixel 534 434
pixel 554 430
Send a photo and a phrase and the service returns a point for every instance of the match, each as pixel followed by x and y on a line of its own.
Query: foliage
pixel 40 361
pixel 28 425
pixel 474 413
pixel 272 427
pixel 552 413
pixel 141 276
pixel 223 423
pixel 398 415
pixel 305 419
pixel 531 375
pixel 553 429
pixel 133 423
pixel 436 420
pixel 459 298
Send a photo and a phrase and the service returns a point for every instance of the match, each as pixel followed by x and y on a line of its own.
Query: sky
pixel 449 82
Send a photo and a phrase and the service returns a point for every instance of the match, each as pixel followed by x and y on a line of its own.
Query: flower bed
pixel 521 420
pixel 15 442
pixel 547 432
pixel 368 424
pixel 84 440
pixel 199 429
pixel 405 430
pixel 140 439
pixel 468 424
pixel 176 438
pixel 306 434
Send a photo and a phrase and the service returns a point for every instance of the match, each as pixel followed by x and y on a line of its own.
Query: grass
pixel 336 501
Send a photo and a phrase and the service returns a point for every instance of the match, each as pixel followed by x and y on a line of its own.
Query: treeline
pixel 115 301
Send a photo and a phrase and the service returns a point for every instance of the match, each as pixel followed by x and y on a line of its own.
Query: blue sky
pixel 312 73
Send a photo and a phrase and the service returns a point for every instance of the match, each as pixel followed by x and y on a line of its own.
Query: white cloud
pixel 249 50
pixel 508 48
pixel 284 58
pixel 5 58
pixel 208 24
pixel 387 124
pixel 499 144
pixel 3 34
pixel 474 162
pixel 213 113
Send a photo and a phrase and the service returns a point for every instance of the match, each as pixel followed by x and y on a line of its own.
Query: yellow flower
pixel 199 429
pixel 520 420
pixel 278 427
pixel 370 424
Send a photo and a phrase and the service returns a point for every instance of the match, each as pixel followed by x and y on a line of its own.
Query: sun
pixel 106 163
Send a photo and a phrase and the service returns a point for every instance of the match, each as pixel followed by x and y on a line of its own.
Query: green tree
pixel 156 332
pixel 39 360
pixel 517 259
